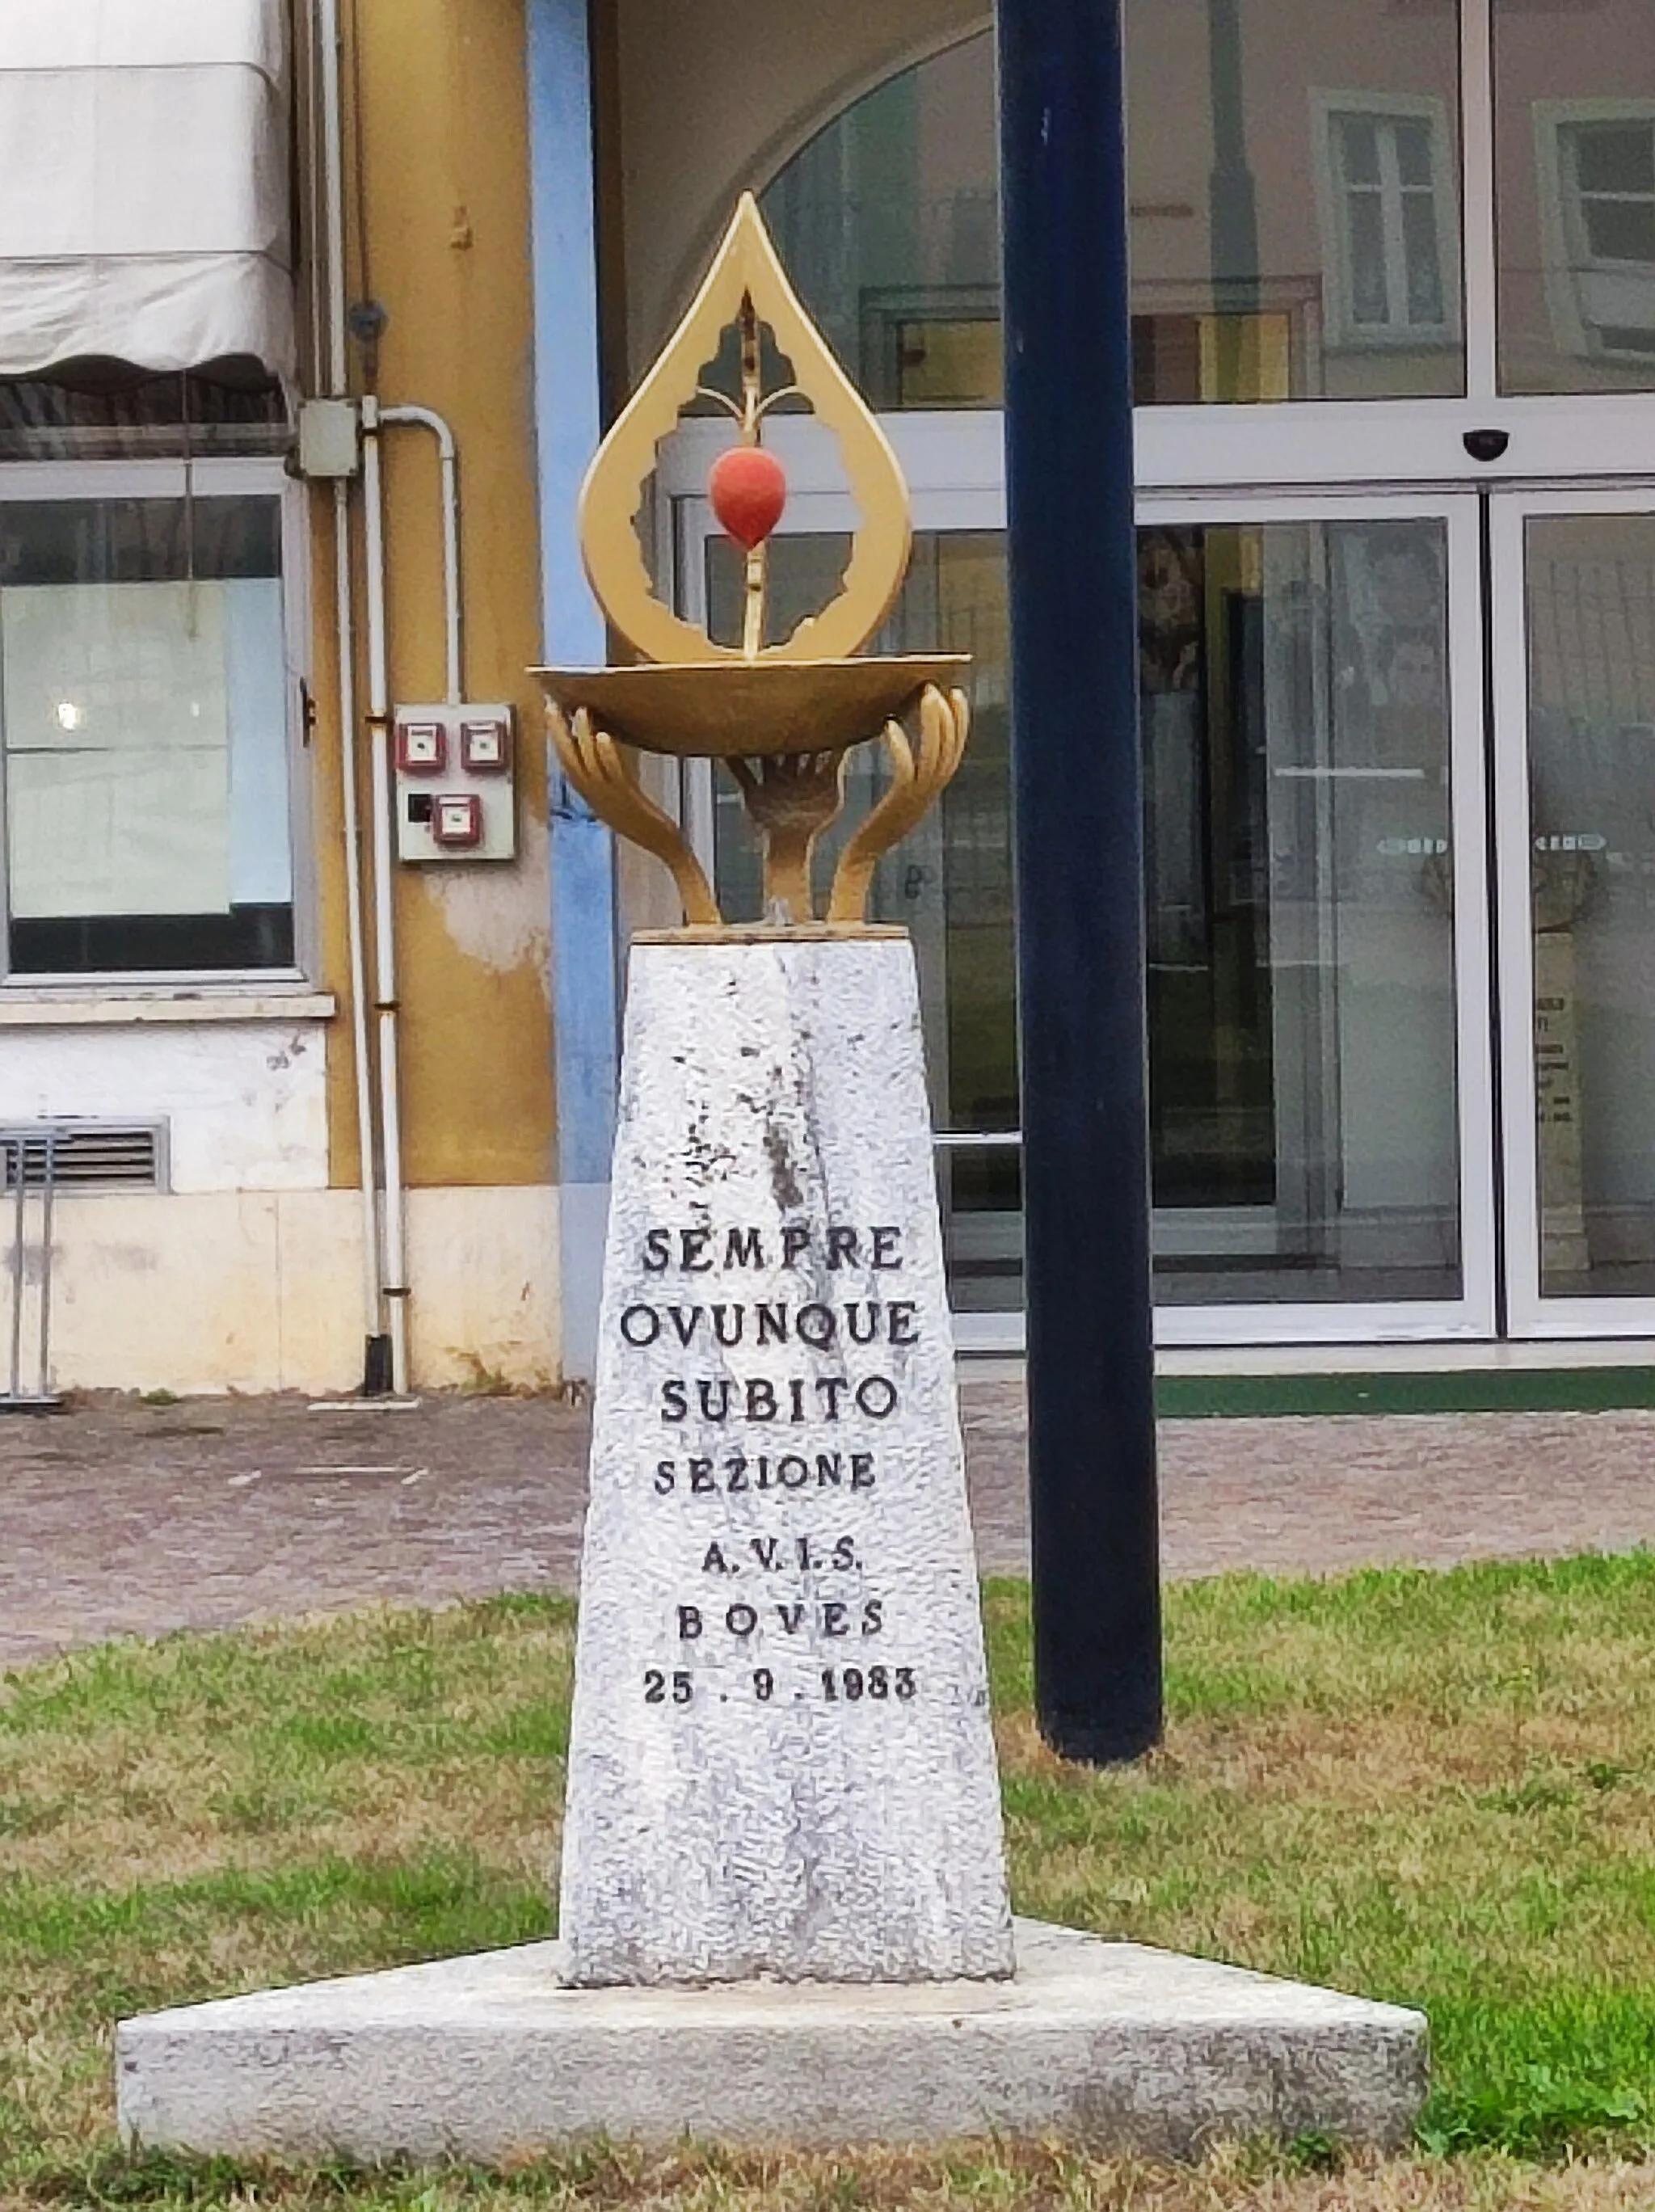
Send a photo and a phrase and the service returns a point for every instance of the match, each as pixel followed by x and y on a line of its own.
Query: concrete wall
pixel 259 1290
pixel 243 1100
pixel 244 1273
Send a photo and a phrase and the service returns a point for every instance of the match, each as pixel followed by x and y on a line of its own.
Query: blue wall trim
pixel 585 996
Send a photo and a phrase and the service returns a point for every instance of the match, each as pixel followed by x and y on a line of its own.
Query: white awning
pixel 144 183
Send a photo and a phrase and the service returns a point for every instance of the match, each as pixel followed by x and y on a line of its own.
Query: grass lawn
pixel 1438 1788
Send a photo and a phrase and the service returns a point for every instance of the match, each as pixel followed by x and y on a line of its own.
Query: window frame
pixel 1341 331
pixel 1569 264
pixel 177 479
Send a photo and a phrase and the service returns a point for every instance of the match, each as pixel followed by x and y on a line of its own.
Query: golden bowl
pixel 726 709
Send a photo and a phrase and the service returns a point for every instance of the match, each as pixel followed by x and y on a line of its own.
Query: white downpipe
pixel 373 1301
pixel 427 418
pixel 375 421
pixel 333 189
pixel 395 1287
pixel 326 24
pixel 385 1225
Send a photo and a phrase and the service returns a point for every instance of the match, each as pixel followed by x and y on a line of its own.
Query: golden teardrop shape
pixel 745 268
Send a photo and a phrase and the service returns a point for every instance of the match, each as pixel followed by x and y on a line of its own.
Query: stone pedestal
pixel 781 1761
pixel 492 2058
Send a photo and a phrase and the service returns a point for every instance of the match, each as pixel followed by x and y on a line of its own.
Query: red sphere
pixel 748 490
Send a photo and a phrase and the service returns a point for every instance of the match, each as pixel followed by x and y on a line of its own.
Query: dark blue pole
pixel 1078 815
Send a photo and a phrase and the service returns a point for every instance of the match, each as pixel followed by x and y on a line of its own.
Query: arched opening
pixel 1291 238
pixel 887 221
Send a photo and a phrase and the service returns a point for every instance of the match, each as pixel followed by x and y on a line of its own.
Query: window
pixel 1288 243
pixel 1388 241
pixel 104 410
pixel 144 719
pixel 1597 170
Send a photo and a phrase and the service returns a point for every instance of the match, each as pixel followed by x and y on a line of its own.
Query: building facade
pixel 192 985
pixel 1393 274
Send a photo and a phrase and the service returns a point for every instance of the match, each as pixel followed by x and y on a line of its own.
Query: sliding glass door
pixel 1574 576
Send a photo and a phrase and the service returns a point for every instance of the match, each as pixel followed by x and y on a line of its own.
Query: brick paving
pixel 118 1518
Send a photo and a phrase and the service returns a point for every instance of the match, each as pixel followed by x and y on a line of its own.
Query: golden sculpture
pixel 783 718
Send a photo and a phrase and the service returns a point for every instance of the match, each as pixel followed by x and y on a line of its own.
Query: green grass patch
pixel 1438 1789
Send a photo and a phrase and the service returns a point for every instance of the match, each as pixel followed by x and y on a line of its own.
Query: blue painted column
pixel 585 990
pixel 1078 811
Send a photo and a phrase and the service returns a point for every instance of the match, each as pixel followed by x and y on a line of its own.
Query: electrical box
pixel 455 785
pixel 330 439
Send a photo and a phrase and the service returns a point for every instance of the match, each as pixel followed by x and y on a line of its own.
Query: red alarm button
pixel 457 819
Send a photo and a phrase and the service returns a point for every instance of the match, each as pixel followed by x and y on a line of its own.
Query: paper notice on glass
pixel 116 833
pixel 117 741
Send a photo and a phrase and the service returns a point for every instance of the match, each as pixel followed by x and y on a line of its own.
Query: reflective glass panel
pixel 1298 910
pixel 1574 103
pixel 1574 141
pixel 1300 958
pixel 100 410
pixel 1591 597
pixel 1295 211
pixel 143 721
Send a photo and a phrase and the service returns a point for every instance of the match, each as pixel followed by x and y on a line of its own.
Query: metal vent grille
pixel 85 1156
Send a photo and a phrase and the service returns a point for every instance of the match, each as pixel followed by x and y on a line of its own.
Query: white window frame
pixel 1342 332
pixel 1568 266
pixel 228 476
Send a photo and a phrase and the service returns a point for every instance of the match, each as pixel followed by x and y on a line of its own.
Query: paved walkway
pixel 119 1518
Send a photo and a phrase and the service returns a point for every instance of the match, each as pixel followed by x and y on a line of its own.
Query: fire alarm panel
pixel 456 800
pixel 457 818
pixel 485 747
pixel 422 747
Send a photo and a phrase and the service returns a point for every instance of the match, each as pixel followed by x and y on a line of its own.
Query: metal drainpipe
pixel 384 1229
pixel 395 1287
pixel 427 418
pixel 327 33
pixel 375 421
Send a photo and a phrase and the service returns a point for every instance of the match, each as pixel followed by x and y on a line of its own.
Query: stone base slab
pixel 487 2058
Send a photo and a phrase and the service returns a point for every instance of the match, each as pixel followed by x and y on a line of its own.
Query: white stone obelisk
pixel 781 1761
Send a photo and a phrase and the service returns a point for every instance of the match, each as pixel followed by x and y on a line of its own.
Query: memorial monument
pixel 784 1907
pixel 781 1759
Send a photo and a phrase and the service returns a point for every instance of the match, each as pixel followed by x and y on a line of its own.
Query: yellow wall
pixel 440 238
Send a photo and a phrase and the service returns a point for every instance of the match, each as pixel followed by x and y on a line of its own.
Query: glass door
pixel 1310 684
pixel 1311 702
pixel 1573 591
